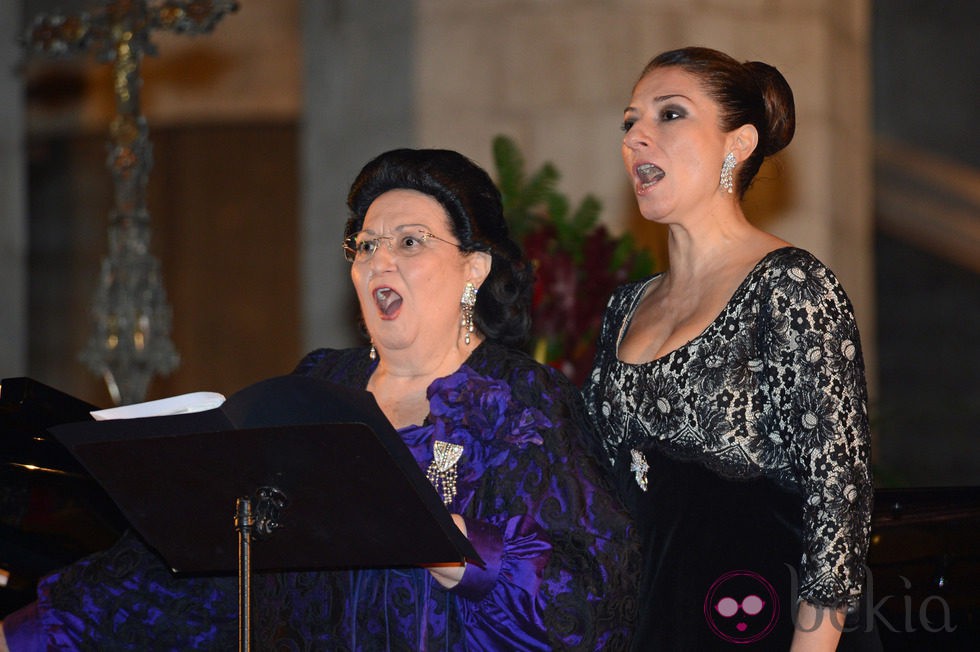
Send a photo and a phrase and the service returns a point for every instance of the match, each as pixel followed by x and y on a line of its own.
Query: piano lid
pixel 27 409
pixel 51 510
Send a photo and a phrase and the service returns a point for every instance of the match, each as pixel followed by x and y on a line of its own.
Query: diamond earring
pixel 468 301
pixel 726 172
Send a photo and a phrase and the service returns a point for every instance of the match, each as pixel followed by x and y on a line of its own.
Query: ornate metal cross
pixel 132 319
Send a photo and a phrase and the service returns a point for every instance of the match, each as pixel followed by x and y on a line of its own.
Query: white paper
pixel 182 404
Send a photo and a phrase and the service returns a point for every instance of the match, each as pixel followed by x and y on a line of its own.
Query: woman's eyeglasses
pixel 360 247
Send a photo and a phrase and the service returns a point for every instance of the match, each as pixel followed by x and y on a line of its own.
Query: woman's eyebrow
pixel 664 98
pixel 411 226
pixel 658 99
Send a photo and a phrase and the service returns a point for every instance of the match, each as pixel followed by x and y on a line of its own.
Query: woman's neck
pixel 698 250
pixel 402 378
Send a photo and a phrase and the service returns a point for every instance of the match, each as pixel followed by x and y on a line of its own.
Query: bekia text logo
pixel 742 607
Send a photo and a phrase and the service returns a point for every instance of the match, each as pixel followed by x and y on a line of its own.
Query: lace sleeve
pixel 818 396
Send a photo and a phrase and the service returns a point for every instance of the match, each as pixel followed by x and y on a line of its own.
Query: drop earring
pixel 726 172
pixel 468 301
pixel 373 353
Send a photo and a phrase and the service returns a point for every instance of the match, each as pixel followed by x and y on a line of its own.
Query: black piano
pixel 51 511
pixel 924 586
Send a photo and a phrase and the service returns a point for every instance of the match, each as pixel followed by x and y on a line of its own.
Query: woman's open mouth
pixel 388 302
pixel 648 175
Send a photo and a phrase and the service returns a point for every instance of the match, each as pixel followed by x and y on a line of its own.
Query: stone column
pixel 358 102
pixel 13 217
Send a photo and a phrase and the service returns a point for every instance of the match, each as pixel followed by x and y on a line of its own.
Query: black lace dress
pixel 744 457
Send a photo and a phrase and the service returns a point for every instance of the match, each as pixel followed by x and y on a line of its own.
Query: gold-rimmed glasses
pixel 361 247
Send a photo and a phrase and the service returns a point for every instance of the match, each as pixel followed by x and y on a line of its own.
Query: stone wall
pixel 360 76
pixel 555 75
pixel 248 69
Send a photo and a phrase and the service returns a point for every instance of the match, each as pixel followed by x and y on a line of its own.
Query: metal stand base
pixel 270 502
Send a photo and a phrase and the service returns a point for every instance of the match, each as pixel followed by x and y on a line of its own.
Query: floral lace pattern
pixel 773 387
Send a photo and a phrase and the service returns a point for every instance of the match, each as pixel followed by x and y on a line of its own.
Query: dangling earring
pixel 373 353
pixel 726 172
pixel 468 301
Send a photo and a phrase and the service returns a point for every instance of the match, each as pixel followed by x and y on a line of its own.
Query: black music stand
pixel 311 470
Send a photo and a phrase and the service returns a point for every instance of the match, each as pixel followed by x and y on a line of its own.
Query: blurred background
pixel 258 127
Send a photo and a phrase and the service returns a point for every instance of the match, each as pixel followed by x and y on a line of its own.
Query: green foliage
pixel 523 198
pixel 578 263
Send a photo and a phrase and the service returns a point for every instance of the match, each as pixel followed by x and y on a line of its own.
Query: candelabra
pixel 132 320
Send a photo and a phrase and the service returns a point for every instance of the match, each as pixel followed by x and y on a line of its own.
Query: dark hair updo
pixel 472 202
pixel 752 93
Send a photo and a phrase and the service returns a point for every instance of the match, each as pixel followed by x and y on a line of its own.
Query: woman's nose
pixel 637 136
pixel 384 255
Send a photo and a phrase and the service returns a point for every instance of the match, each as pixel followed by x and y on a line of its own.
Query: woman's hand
pixel 448 575
pixel 818 629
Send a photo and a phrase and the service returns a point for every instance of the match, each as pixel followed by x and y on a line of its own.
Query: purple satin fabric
pixel 22 630
pixel 559 566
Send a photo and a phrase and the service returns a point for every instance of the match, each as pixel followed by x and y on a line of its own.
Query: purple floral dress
pixel 561 563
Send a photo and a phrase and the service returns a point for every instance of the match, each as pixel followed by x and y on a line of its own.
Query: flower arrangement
pixel 577 262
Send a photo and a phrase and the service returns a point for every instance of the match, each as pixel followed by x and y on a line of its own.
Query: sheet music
pixel 181 404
